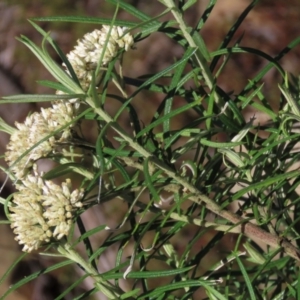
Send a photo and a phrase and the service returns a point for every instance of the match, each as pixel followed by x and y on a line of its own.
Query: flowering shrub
pixel 247 181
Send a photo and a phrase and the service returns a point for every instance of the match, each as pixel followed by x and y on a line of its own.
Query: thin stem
pixel 200 59
pixel 109 290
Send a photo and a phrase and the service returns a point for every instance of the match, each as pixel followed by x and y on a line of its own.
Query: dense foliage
pixel 219 196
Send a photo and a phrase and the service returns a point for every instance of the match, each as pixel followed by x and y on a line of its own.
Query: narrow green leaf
pixel 232 31
pixel 130 294
pixel 4 127
pixel 255 255
pixel 247 279
pixel 38 98
pixel 214 293
pixel 237 114
pixel 57 49
pixel 172 113
pixel 86 241
pixel 164 72
pixel 171 93
pixel 84 19
pixel 219 145
pixel 188 4
pixel 209 8
pixel 54 85
pixel 88 234
pixel 148 179
pixel 246 100
pixel 86 295
pixel 265 183
pixel 201 45
pixel 147 274
pixel 130 9
pixel 295 107
pixel 12 266
pixel 170 287
pixel 252 51
pixel 67 168
pixel 51 66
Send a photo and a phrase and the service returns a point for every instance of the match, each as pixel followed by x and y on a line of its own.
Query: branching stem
pixel 249 229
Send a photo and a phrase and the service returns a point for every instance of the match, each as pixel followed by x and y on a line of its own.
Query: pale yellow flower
pixel 88 51
pixel 43 211
pixel 35 128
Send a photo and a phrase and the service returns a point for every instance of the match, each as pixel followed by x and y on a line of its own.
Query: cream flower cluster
pixel 88 51
pixel 35 128
pixel 43 210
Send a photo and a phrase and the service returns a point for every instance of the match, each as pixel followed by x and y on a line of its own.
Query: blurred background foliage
pixel 269 27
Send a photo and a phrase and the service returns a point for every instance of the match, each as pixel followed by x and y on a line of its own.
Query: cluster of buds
pixel 105 44
pixel 40 131
pixel 43 211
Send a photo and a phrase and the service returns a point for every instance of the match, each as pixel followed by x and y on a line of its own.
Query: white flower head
pixel 35 128
pixel 43 211
pixel 103 43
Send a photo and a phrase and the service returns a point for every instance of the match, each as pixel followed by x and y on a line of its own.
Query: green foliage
pixel 243 170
